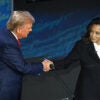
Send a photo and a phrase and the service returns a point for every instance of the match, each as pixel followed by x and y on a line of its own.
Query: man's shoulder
pixel 3 31
pixel 4 36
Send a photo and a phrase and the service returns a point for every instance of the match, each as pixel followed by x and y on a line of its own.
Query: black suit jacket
pixel 88 84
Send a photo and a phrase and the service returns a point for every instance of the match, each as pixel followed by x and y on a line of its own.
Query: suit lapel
pixel 12 38
pixel 92 51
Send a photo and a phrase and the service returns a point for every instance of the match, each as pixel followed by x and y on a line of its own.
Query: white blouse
pixel 97 48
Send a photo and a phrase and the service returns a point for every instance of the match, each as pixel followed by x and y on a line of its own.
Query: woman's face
pixel 95 34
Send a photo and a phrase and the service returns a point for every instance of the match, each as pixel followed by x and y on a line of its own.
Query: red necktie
pixel 18 42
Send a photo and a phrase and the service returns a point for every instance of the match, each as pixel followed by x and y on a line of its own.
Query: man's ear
pixel 18 30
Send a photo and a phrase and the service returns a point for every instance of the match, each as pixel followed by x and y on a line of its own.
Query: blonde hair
pixel 18 19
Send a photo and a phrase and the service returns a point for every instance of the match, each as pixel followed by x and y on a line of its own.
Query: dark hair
pixel 94 21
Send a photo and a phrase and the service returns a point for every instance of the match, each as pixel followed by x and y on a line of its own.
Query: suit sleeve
pixel 13 58
pixel 72 57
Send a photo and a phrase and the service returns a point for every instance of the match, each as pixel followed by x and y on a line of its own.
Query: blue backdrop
pixel 5 11
pixel 54 34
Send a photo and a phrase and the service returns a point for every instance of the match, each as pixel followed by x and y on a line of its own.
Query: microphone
pixel 52 66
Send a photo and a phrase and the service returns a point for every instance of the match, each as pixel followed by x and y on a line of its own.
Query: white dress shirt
pixel 97 48
pixel 14 35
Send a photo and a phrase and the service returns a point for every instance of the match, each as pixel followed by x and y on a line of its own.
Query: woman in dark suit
pixel 87 52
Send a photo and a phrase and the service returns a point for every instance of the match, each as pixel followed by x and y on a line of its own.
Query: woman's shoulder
pixel 83 41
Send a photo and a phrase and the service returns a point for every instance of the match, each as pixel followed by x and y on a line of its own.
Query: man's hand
pixel 46 65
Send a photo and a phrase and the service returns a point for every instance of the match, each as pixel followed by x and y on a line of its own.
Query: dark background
pixel 55 5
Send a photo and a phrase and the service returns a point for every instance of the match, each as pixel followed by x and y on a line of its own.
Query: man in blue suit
pixel 12 63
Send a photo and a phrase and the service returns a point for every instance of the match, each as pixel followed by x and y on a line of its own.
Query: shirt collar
pixel 14 35
pixel 97 47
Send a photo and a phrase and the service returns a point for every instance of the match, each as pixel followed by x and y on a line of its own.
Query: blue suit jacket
pixel 13 66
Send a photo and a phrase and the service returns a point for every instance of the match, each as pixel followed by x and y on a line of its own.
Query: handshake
pixel 47 65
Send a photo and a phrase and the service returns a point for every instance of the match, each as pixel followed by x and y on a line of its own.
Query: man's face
pixel 95 34
pixel 24 30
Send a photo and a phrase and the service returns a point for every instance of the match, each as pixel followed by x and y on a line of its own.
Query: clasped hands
pixel 46 65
